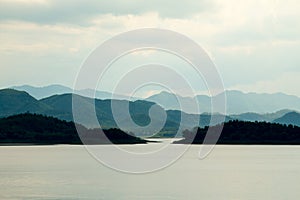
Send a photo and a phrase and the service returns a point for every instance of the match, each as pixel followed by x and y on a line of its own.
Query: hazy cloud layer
pixel 80 11
pixel 255 43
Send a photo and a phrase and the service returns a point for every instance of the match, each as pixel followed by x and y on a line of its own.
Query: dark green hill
pixel 39 129
pixel 15 102
pixel 62 108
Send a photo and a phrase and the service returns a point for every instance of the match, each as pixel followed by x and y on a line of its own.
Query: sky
pixel 255 44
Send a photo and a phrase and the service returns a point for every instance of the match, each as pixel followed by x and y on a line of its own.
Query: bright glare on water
pixel 229 172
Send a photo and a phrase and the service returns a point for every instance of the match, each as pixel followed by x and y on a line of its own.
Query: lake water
pixel 229 172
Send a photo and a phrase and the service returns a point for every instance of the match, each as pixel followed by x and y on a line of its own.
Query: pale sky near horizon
pixel 255 44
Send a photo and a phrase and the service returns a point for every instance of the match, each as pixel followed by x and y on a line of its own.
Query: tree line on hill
pixel 39 129
pixel 241 132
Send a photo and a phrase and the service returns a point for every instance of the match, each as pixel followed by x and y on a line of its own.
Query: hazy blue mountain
pixel 204 103
pixel 278 114
pixel 237 103
pixel 103 95
pixel 42 92
pixel 268 117
pixel 171 101
pixel 191 119
pixel 250 117
pixel 167 100
pixel 289 118
pixel 50 90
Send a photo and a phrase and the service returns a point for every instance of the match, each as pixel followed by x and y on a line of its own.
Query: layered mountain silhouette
pixel 42 92
pixel 50 90
pixel 237 102
pixel 60 106
pixel 268 117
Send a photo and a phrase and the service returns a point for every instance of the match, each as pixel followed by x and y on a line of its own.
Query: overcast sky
pixel 254 43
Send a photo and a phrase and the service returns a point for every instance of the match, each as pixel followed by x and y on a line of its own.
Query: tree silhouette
pixel 240 132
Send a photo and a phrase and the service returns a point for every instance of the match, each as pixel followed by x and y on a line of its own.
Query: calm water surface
pixel 229 172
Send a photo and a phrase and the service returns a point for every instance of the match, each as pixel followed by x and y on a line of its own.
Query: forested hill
pixel 38 129
pixel 240 132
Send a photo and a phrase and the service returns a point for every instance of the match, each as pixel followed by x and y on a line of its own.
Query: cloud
pixel 287 82
pixel 250 41
pixel 81 12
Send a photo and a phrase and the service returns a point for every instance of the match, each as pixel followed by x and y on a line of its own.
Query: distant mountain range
pixel 237 102
pixel 60 106
pixel 43 92
pixel 47 91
